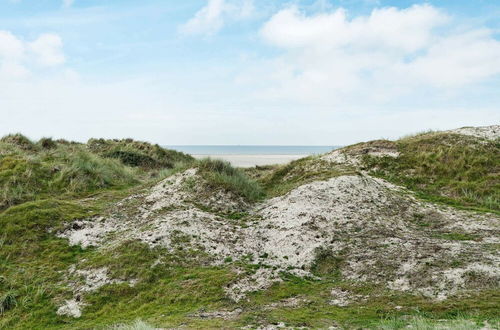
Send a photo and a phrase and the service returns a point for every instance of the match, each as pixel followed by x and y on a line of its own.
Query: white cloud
pixel 11 48
pixel 334 59
pixel 338 79
pixel 19 58
pixel 403 30
pixel 211 18
pixel 458 60
pixel 47 49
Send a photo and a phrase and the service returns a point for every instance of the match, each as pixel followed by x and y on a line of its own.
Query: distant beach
pixel 249 156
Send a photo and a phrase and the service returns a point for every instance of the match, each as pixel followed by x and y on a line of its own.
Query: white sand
pixel 253 160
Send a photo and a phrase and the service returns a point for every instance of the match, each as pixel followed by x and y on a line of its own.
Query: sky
pixel 250 72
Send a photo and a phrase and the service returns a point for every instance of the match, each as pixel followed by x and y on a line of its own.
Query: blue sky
pixel 247 72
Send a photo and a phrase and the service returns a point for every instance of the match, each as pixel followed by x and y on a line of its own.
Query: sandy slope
pixel 379 232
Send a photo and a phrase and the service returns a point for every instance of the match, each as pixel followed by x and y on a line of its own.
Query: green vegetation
pixel 442 167
pixel 326 263
pixel 33 262
pixel 285 178
pixel 46 185
pixel 423 323
pixel 30 171
pixel 138 154
pixel 32 258
pixel 7 301
pixel 457 236
pixel 369 306
pixel 137 325
pixel 221 174
pixel 169 293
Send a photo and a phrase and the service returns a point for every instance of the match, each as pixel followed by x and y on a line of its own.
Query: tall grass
pixel 49 168
pixel 445 167
pixel 220 173
pixel 287 177
pixel 22 179
pixel 84 171
pixel 137 153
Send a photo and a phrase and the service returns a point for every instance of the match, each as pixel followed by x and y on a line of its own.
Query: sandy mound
pixel 366 228
pixel 352 155
pixel 484 132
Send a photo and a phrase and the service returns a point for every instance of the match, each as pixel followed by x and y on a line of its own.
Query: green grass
pixel 287 177
pixel 383 307
pixel 33 262
pixel 220 173
pixel 7 301
pixel 326 263
pixel 458 170
pixel 136 325
pixel 45 185
pixel 138 154
pixel 49 168
pixel 32 258
pixel 456 236
pixel 423 323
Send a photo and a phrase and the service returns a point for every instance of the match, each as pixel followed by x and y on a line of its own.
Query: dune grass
pixel 442 167
pixel 285 178
pixel 221 174
pixel 48 168
pixel 45 185
pixel 168 294
pixel 138 154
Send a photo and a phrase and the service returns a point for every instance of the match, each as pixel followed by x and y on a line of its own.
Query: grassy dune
pixel 455 169
pixel 44 185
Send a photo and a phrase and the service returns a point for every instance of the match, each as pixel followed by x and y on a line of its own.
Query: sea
pixel 251 149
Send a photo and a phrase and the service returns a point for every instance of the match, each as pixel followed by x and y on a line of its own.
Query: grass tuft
pixel 47 143
pixel 7 301
pixel 221 174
